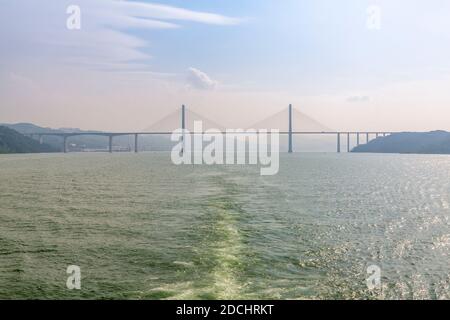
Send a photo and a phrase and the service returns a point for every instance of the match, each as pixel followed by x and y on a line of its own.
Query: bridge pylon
pixel 290 129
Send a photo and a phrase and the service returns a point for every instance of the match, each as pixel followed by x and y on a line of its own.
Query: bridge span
pixel 290 133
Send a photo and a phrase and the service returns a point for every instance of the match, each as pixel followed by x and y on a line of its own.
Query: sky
pixel 350 64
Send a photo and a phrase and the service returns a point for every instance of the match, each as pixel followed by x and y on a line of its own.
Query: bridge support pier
pixel 64 144
pixel 367 138
pixel 338 143
pixel 136 147
pixel 110 143
pixel 357 139
pixel 290 129
pixel 348 142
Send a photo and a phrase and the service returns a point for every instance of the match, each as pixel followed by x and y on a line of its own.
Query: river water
pixel 140 227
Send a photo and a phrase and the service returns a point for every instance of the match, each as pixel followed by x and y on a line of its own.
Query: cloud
pixel 35 32
pixel 200 80
pixel 158 11
pixel 354 99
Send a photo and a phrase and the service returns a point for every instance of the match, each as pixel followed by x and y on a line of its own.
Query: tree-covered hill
pixel 12 141
pixel 435 142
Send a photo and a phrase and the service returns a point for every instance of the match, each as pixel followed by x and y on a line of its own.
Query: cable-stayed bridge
pixel 290 122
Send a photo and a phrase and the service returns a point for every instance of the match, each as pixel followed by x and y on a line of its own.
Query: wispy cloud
pixel 358 99
pixel 36 31
pixel 164 12
pixel 200 80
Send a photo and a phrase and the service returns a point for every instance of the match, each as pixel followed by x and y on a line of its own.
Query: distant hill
pixel 435 142
pixel 26 128
pixel 12 141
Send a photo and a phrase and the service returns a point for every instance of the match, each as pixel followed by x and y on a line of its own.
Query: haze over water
pixel 142 228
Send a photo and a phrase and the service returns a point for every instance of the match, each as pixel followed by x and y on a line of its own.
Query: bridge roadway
pixel 111 135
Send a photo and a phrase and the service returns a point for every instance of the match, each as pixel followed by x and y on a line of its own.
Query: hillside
pixel 12 141
pixel 435 142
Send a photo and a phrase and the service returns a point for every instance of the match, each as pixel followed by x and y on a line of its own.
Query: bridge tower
pixel 290 128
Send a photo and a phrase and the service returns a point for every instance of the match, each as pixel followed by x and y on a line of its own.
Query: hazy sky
pixel 133 62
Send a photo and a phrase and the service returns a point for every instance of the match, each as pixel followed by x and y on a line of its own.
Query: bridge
pixel 290 132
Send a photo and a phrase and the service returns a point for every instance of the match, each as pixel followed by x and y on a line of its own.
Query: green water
pixel 141 228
